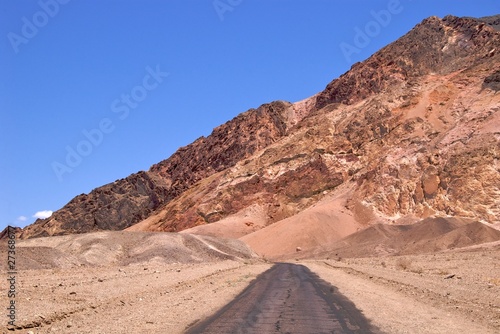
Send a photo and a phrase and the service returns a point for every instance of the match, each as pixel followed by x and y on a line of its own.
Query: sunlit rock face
pixel 412 132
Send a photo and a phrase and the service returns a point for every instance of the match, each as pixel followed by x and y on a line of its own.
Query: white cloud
pixel 43 214
pixel 21 218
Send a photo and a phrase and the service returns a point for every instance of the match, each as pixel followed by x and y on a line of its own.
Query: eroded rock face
pixel 492 81
pixel 433 46
pixel 415 130
pixel 125 202
pixel 423 142
pixel 229 143
pixel 114 206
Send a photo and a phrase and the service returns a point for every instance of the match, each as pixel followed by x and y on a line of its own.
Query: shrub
pixel 403 263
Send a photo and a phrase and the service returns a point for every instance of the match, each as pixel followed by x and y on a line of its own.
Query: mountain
pixel 411 132
pixel 127 201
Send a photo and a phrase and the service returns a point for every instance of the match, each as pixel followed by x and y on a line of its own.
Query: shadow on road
pixel 287 298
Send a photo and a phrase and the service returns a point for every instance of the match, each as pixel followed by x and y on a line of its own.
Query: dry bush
pixel 418 270
pixel 495 281
pixel 403 263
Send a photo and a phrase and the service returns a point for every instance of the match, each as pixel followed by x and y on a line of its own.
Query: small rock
pixel 100 280
pixel 178 270
pixel 298 249
pixel 450 276
pixel 72 293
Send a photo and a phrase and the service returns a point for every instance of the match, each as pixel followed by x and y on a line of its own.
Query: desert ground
pixel 136 282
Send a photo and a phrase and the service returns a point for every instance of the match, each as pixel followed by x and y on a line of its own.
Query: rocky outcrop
pixel 492 21
pixel 114 206
pixel 433 46
pixel 229 143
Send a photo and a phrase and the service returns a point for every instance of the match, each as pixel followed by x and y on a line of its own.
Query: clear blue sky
pixel 67 67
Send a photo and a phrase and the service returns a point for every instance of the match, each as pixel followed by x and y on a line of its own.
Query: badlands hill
pixel 120 249
pixel 410 133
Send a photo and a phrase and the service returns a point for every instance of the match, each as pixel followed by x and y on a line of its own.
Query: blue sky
pixel 92 91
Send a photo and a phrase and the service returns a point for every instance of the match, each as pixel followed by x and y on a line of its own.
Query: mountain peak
pixel 434 46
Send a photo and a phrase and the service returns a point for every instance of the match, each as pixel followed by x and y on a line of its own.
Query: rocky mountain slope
pixel 412 132
pixel 127 201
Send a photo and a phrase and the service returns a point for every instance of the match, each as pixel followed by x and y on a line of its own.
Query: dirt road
pixel 288 298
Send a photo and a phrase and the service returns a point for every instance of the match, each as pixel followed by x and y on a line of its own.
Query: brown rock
pixel 430 184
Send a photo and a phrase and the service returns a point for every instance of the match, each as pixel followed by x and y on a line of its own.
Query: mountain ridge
pixel 285 157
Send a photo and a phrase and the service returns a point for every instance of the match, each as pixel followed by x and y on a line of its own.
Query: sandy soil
pixel 124 282
pixel 246 221
pixel 139 298
pixel 313 229
pixel 430 235
pixel 447 292
pixel 328 230
pixel 122 248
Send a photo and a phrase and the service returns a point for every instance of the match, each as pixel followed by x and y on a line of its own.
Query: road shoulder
pixel 390 308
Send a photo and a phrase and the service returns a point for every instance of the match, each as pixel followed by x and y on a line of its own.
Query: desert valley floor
pixel 137 282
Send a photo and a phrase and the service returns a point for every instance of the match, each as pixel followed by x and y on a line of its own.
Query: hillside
pixel 411 132
pixel 127 201
pixel 424 143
